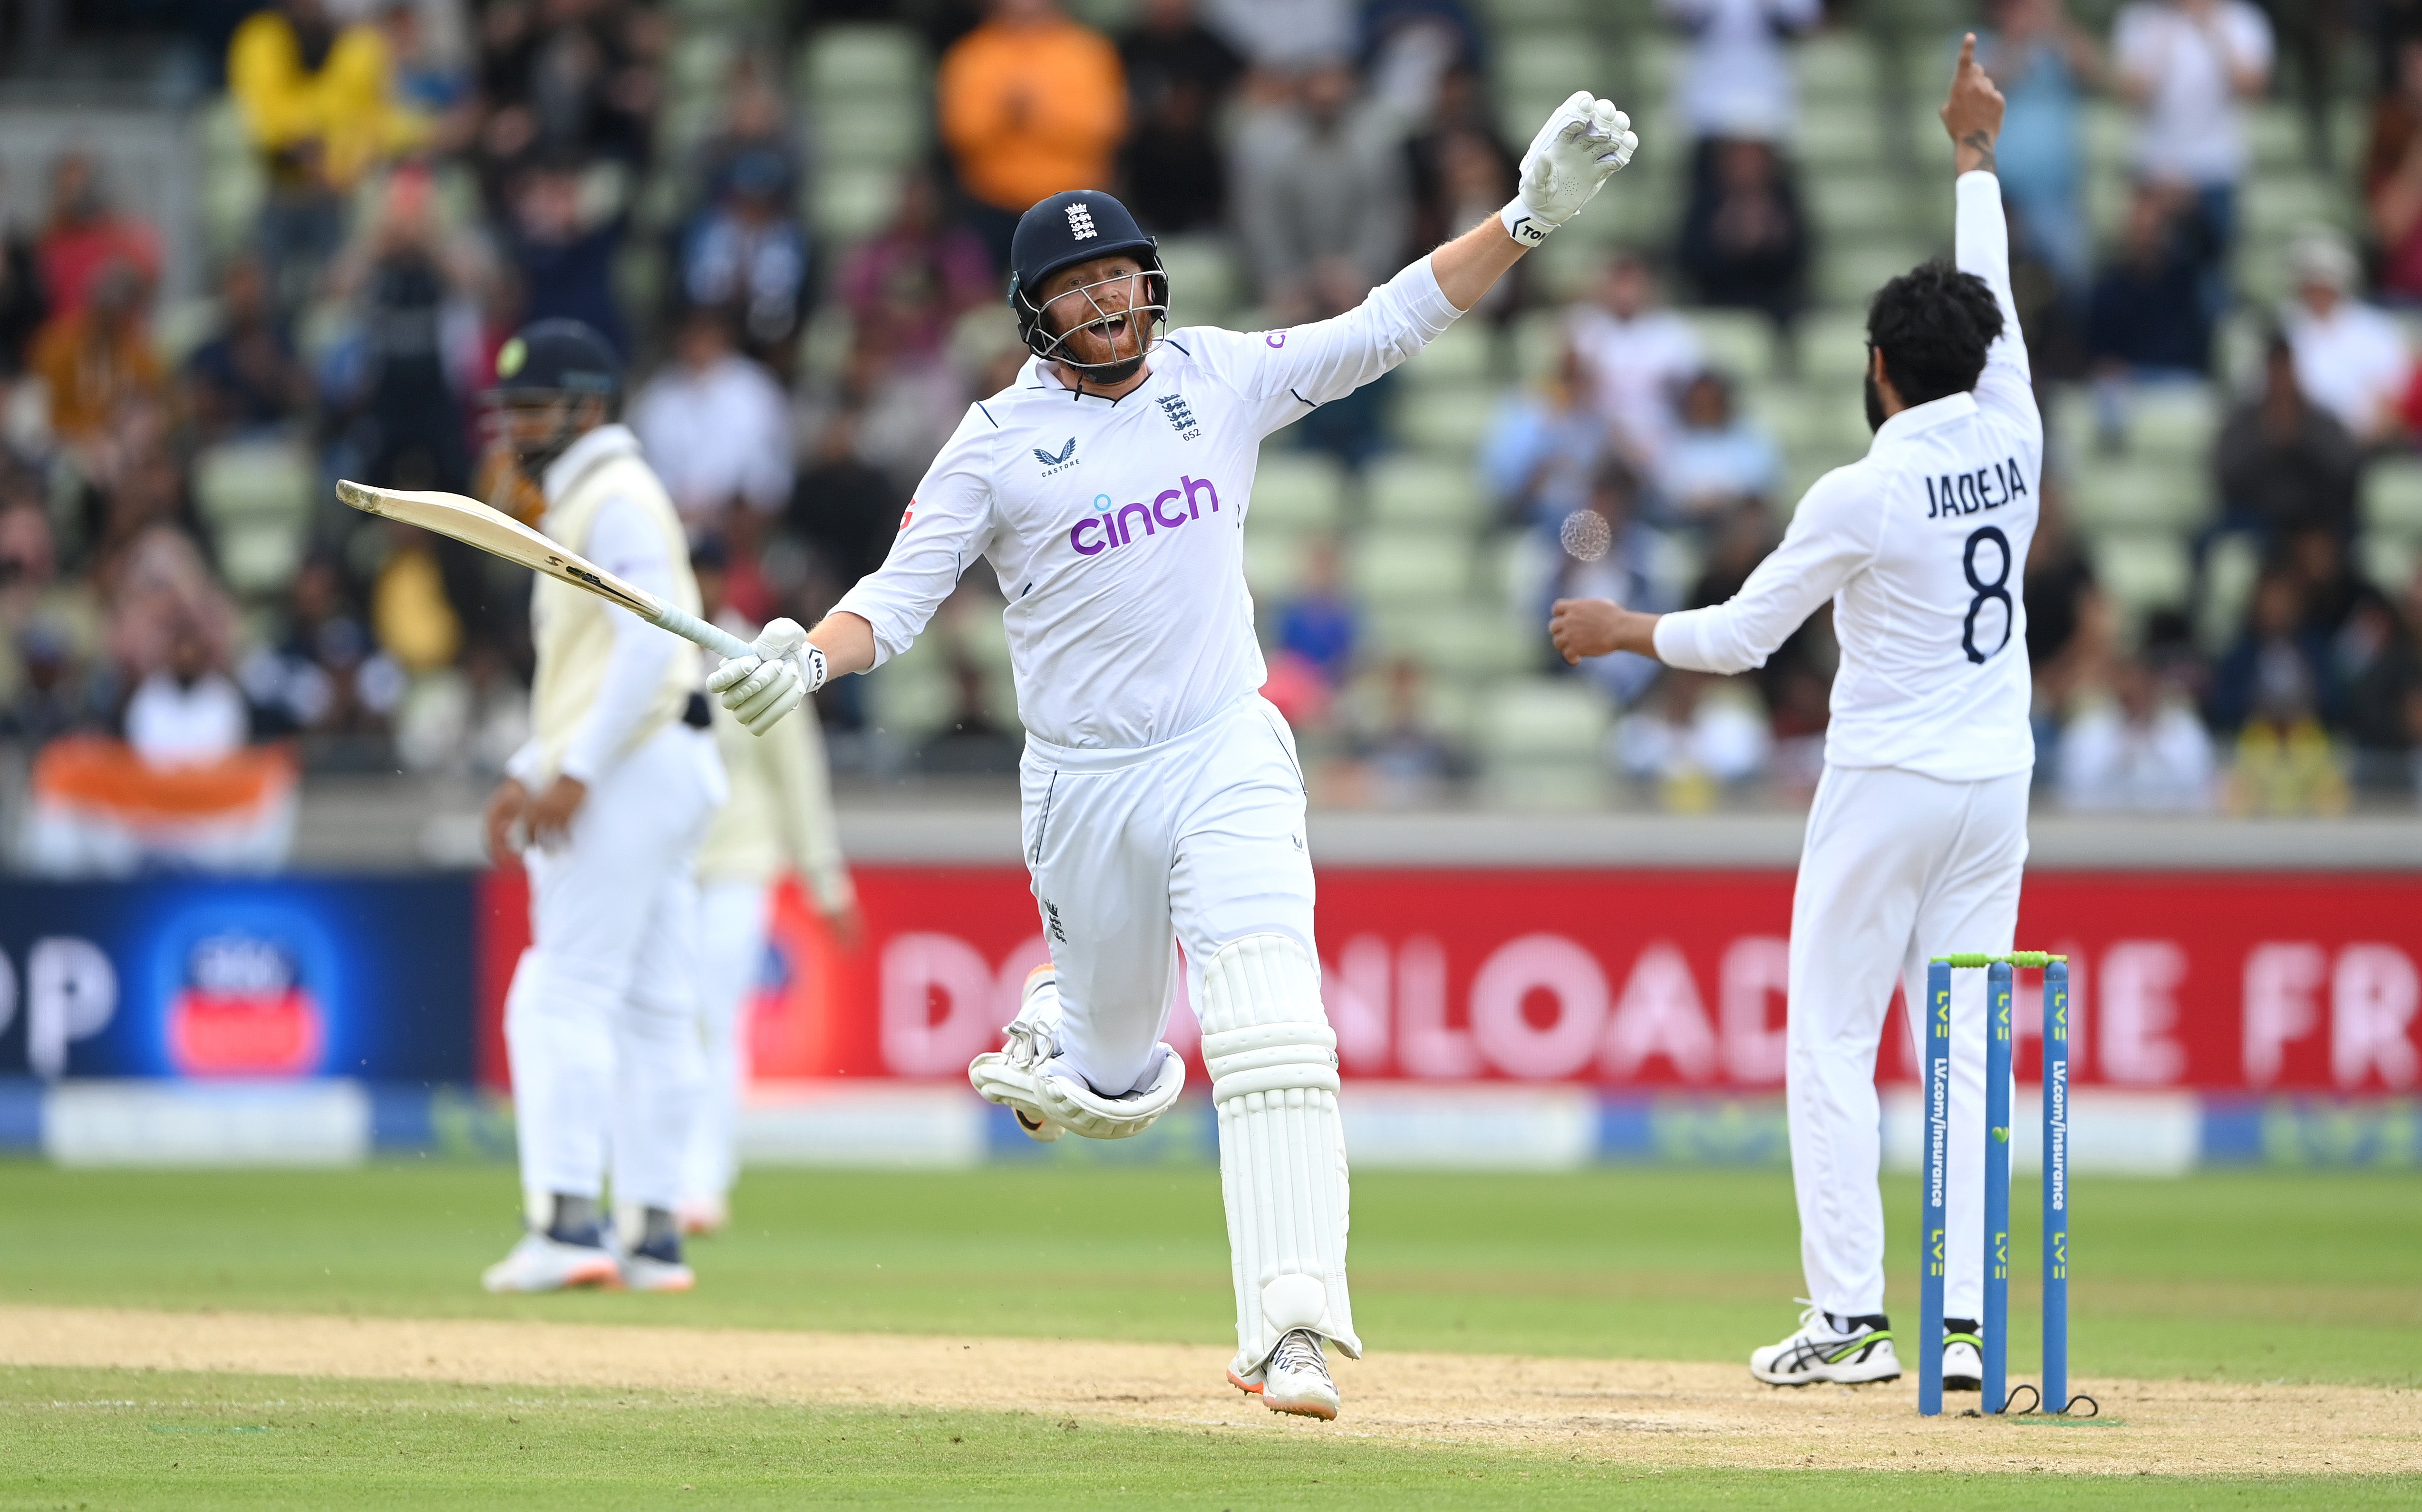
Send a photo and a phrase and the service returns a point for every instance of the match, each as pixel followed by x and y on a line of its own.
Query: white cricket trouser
pixel 1898 868
pixel 1198 840
pixel 731 919
pixel 600 1022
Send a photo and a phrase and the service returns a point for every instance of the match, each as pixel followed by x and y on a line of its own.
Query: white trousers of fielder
pixel 1896 868
pixel 732 925
pixel 1200 840
pixel 601 1021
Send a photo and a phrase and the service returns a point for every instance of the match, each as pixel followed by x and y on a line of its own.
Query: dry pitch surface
pixel 1640 1412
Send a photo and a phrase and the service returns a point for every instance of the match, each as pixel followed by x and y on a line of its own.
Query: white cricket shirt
pixel 1115 527
pixel 1921 546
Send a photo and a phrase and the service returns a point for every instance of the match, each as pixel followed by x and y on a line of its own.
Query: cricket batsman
pixel 612 792
pixel 1109 487
pixel 1919 830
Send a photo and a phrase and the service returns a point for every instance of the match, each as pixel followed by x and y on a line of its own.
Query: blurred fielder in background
pixel 1919 832
pixel 607 802
pixel 780 819
pixel 1162 797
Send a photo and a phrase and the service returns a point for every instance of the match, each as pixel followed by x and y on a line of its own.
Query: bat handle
pixel 712 636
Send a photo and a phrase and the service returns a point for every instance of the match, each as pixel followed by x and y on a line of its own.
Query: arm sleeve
pixel 1289 373
pixel 945 530
pixel 803 793
pixel 1832 535
pixel 1984 249
pixel 625 541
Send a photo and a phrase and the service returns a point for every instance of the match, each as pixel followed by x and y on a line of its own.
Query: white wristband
pixel 1522 225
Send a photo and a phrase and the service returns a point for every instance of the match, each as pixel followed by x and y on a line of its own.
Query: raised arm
pixel 1972 115
pixel 1580 147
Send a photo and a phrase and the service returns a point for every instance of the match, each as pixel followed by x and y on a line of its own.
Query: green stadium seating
pixel 1446 418
pixel 1542 739
pixel 2392 497
pixel 1409 567
pixel 2142 571
pixel 2388 561
pixel 861 60
pixel 1298 491
pixel 257 497
pixel 1275 560
pixel 1419 490
pixel 2230 565
pixel 1738 343
pixel 2135 492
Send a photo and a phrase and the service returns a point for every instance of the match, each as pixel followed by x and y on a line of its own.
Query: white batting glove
pixel 776 677
pixel 1581 146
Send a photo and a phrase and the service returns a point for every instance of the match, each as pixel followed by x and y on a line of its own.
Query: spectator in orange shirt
pixel 97 360
pixel 1032 103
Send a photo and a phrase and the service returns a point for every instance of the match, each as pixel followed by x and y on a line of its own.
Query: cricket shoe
pixel 540 1263
pixel 644 1273
pixel 701 1216
pixel 1008 1075
pixel 1963 1355
pixel 1852 1352
pixel 1295 1379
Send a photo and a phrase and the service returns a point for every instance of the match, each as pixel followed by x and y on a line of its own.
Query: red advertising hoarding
pixel 2206 981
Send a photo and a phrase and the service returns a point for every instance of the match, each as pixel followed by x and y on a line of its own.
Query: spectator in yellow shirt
pixel 1032 103
pixel 318 102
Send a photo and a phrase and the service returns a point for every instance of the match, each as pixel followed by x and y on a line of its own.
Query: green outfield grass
pixel 135 1440
pixel 2299 1276
pixel 2305 1277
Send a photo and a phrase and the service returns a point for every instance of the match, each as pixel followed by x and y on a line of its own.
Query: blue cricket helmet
pixel 1077 226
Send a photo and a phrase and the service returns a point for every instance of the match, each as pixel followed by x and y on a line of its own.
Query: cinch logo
pixel 1080 221
pixel 1111 528
pixel 243 1011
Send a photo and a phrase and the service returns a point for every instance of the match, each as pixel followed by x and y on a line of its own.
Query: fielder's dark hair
pixel 1933 325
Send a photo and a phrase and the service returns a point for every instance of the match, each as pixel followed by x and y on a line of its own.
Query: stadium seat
pixel 1837 67
pixel 1465 355
pixel 2168 423
pixel 851 202
pixel 1204 286
pixel 1298 491
pixel 1446 418
pixel 2392 497
pixel 1839 139
pixel 2389 562
pixel 1398 567
pixel 1461 640
pixel 1849 273
pixel 863 60
pixel 256 497
pixel 1539 69
pixel 2276 135
pixel 1541 739
pixel 1426 492
pixel 2142 572
pixel 1856 205
pixel 1833 344
pixel 887 131
pixel 1274 559
pixel 1738 343
pixel 2137 491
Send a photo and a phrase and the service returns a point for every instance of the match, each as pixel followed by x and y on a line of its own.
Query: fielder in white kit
pixel 614 789
pixel 1919 830
pixel 1107 487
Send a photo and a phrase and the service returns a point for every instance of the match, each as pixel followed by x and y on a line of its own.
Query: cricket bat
pixel 500 534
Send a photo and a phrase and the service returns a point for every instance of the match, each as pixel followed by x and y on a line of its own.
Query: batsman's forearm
pixel 847 642
pixel 1468 266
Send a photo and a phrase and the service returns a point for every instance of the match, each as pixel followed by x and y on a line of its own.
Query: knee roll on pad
pixel 1273 1064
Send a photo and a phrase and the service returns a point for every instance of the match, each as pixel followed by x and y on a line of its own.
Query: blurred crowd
pixel 436 173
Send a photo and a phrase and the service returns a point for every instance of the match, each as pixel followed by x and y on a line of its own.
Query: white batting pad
pixel 1273 1064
